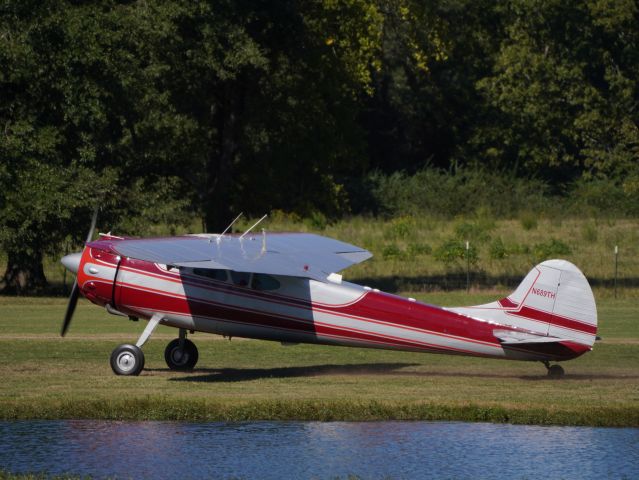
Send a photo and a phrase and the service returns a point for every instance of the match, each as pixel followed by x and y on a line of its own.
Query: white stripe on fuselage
pixel 245 301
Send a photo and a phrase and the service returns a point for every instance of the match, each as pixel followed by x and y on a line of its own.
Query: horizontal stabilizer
pixel 509 337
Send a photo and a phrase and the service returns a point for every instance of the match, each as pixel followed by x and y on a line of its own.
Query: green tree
pixel 562 96
pixel 71 79
pixel 143 106
pixel 425 95
pixel 258 103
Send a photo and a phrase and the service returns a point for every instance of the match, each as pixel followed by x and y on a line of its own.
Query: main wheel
pixel 181 358
pixel 127 360
pixel 555 371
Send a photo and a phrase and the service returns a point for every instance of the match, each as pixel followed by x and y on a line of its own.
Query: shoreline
pixel 201 410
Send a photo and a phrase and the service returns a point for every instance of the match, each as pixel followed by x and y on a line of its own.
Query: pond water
pixel 277 450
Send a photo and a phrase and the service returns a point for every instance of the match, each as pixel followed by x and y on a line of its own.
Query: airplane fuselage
pixel 293 309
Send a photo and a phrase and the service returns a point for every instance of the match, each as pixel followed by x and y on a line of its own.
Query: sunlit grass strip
pixel 198 410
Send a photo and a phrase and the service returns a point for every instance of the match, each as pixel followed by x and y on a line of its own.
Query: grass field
pixel 45 376
pixel 4 475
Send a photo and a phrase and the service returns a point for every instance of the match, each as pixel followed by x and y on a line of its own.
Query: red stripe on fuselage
pixel 555 320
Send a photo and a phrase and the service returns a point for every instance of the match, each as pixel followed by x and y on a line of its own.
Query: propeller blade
pixel 75 291
pixel 93 222
pixel 73 301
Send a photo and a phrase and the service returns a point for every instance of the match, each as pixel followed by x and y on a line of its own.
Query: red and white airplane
pixel 285 287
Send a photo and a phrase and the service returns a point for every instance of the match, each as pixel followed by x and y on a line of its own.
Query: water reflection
pixel 317 450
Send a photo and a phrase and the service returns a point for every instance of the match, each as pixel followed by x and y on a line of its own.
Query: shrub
pixel 528 220
pixel 517 249
pixel 317 220
pixel 392 252
pixel 497 249
pixel 466 191
pixel 551 249
pixel 416 249
pixel 602 196
pixel 472 231
pixel 448 194
pixel 589 232
pixel 453 250
pixel 280 216
pixel 401 227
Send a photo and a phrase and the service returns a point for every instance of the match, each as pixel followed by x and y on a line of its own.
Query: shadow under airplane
pixel 247 374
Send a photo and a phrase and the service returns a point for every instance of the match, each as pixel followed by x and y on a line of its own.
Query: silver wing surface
pixel 291 254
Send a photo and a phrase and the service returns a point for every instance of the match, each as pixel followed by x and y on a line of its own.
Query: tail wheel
pixel 127 360
pixel 181 357
pixel 555 371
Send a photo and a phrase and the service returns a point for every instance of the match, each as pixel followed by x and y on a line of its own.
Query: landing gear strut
pixel 181 353
pixel 554 371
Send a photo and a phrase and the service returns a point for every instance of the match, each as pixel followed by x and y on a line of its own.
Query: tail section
pixel 554 300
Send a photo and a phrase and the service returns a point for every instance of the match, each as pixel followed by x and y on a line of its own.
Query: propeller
pixel 70 261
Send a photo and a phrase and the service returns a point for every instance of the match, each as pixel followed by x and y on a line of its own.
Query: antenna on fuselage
pixel 253 226
pixel 219 237
pixel 231 224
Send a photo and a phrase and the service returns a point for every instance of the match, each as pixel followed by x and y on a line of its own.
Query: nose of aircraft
pixel 71 262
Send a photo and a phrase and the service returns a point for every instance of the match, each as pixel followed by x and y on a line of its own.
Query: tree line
pixel 159 110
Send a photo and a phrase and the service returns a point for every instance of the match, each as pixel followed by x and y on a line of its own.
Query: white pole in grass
pixel 467 266
pixel 616 267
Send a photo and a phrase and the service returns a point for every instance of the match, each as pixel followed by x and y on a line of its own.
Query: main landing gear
pixel 180 354
pixel 554 371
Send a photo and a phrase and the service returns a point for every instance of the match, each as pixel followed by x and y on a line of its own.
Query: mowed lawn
pixel 45 376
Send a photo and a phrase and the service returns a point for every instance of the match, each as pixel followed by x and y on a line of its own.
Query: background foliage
pixel 167 111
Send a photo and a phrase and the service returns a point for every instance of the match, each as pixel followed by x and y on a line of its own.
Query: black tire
pixel 127 360
pixel 181 359
pixel 555 371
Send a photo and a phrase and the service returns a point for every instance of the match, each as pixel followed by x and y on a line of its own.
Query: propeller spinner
pixel 72 263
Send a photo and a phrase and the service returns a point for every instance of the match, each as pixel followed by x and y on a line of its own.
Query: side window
pixel 261 281
pixel 168 268
pixel 241 278
pixel 220 275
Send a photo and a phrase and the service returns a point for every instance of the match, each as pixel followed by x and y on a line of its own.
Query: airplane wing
pixel 291 254
pixel 509 337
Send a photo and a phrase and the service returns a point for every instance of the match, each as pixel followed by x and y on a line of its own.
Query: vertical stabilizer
pixel 554 299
